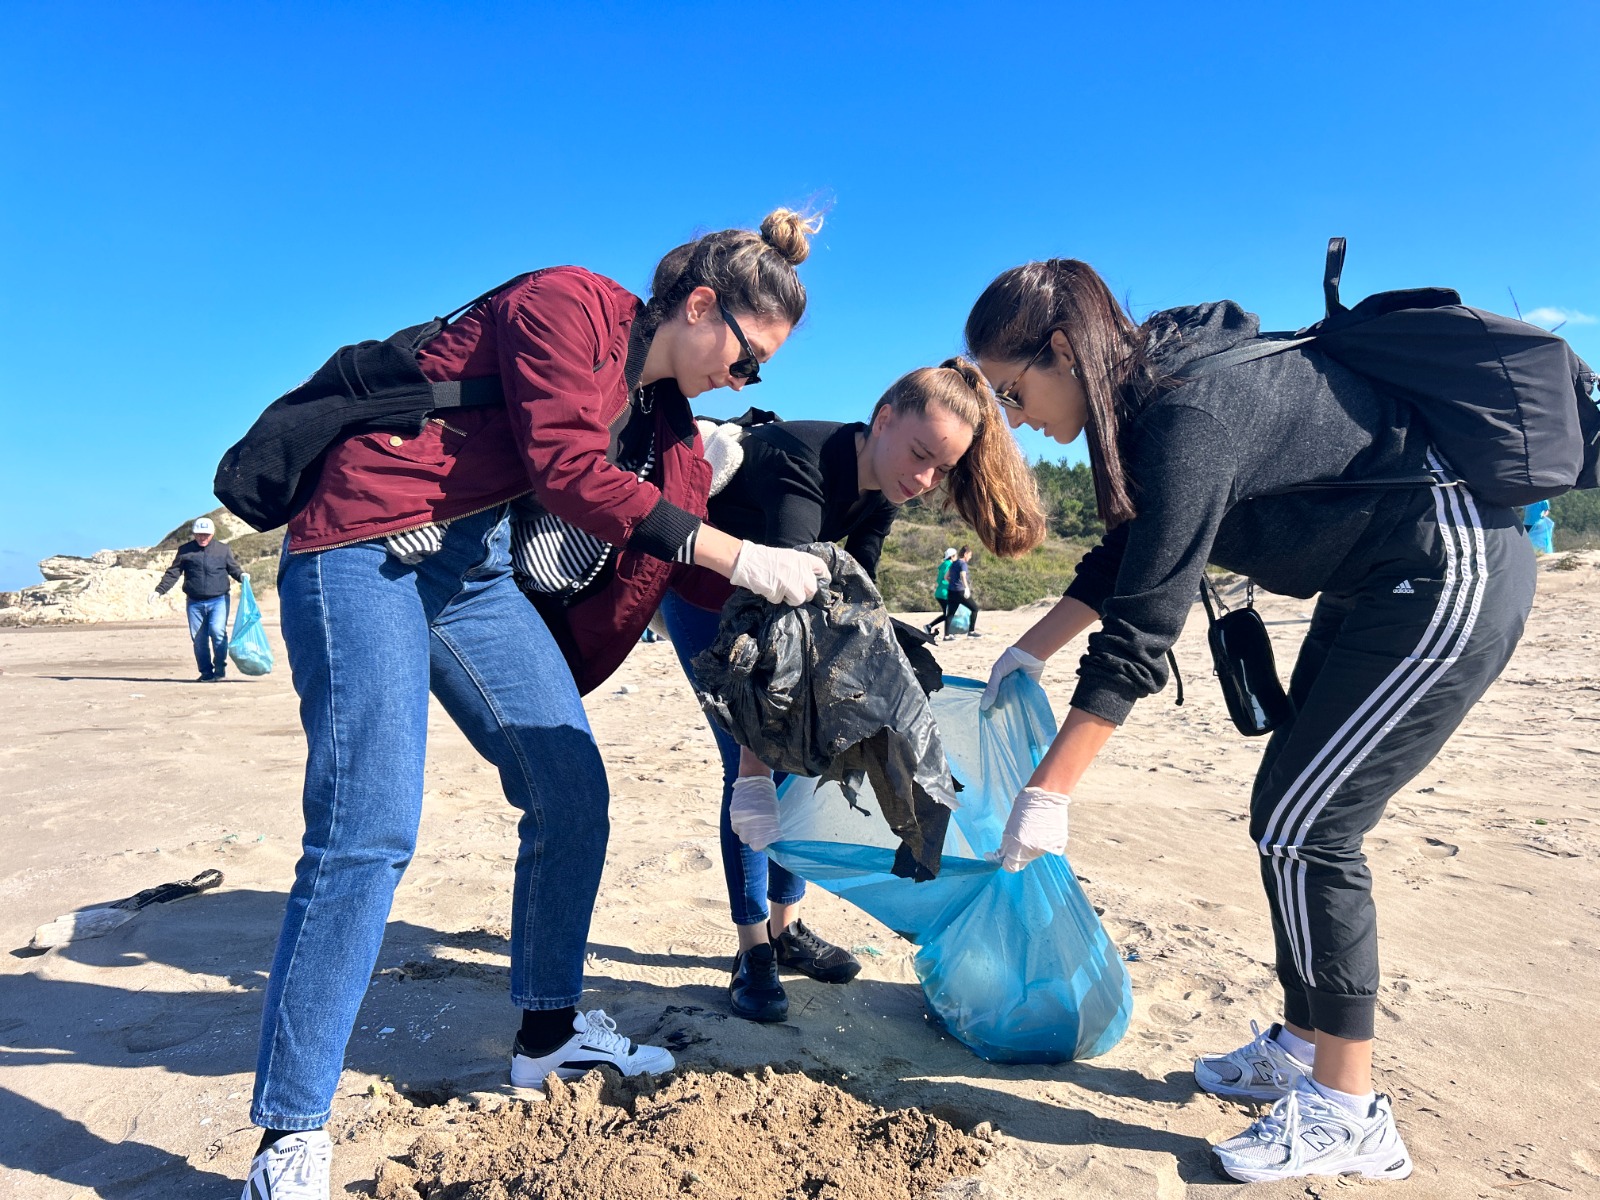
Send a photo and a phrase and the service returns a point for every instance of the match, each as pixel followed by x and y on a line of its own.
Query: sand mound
pixel 766 1135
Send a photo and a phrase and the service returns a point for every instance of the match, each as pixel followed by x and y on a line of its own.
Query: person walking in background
pixel 206 566
pixel 941 593
pixel 959 582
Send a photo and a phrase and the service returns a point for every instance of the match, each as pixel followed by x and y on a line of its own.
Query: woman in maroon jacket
pixel 398 580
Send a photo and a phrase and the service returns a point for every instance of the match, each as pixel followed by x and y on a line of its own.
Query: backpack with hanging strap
pixel 1507 404
pixel 268 475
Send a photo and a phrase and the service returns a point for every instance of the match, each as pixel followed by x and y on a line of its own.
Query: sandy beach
pixel 125 1061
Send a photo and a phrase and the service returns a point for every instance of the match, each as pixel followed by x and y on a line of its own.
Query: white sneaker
pixel 595 1043
pixel 1308 1134
pixel 1260 1070
pixel 292 1168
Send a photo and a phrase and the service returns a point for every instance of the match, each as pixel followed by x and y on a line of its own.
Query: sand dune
pixel 125 1068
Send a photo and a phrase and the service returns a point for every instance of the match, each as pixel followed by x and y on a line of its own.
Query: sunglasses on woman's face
pixel 1007 395
pixel 745 367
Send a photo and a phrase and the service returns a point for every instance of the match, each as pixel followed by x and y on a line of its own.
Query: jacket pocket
pixel 426 449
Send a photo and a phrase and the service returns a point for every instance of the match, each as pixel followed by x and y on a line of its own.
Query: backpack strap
pixel 1262 346
pixel 485 390
pixel 515 279
pixel 1331 272
pixel 468 393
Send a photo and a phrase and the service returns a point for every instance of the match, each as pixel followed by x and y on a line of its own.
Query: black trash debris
pixel 824 689
pixel 101 920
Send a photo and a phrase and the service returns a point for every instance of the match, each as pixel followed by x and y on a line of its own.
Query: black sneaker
pixel 754 991
pixel 801 950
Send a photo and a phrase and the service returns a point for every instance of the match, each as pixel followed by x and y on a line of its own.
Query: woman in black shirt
pixel 810 481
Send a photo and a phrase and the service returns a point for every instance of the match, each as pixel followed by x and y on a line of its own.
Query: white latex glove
pixel 244 577
pixel 152 597
pixel 1038 825
pixel 1012 660
pixel 753 811
pixel 781 576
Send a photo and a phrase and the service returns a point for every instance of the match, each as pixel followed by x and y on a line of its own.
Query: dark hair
pixel 750 272
pixel 991 487
pixel 964 551
pixel 1015 317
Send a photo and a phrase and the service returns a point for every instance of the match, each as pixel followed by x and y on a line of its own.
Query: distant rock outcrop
pixel 111 585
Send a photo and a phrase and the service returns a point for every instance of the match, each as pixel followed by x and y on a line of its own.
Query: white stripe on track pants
pixel 1398 652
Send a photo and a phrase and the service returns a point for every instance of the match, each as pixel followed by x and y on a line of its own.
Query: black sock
pixel 269 1136
pixel 543 1030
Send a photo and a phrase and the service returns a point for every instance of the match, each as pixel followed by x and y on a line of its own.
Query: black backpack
pixel 268 475
pixel 1506 403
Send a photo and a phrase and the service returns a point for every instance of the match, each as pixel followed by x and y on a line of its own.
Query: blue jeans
pixel 368 638
pixel 752 878
pixel 208 628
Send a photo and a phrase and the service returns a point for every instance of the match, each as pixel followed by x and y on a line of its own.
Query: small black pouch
pixel 1241 651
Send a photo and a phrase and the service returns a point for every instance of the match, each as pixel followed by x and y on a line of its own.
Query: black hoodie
pixel 1200 457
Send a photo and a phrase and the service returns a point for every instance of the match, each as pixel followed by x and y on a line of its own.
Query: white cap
pixel 203 525
pixel 950 552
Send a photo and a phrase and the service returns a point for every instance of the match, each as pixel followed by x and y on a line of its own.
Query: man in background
pixel 206 565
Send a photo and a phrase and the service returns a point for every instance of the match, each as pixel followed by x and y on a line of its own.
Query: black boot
pixel 754 991
pixel 801 950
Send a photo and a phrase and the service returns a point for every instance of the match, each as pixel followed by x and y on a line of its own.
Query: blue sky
pixel 199 202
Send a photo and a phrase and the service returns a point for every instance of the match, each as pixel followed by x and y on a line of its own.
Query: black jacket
pixel 1201 457
pixel 205 570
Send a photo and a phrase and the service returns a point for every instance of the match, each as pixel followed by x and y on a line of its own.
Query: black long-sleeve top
pixel 1201 457
pixel 205 570
pixel 798 483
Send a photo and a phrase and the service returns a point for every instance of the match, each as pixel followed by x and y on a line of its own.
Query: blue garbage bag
pixel 961 622
pixel 248 647
pixel 1541 533
pixel 1015 965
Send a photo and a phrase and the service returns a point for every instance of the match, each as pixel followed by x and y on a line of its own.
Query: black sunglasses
pixel 1008 398
pixel 746 367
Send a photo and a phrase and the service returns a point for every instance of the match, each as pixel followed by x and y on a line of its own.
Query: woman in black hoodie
pixel 1423 597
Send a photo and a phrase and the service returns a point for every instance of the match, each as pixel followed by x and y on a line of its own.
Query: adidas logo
pixel 1404 588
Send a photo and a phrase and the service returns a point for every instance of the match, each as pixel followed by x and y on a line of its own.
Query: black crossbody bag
pixel 1241 652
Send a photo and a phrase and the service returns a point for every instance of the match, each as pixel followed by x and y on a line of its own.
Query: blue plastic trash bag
pixel 1017 966
pixel 961 622
pixel 249 648
pixel 1540 534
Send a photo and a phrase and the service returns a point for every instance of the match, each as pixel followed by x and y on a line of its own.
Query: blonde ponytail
pixel 991 487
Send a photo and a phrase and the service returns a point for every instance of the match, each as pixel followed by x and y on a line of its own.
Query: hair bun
pixel 789 233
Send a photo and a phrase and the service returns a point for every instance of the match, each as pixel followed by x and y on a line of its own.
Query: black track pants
pixel 1397 654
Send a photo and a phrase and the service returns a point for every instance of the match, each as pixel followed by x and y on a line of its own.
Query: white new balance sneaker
pixel 1259 1070
pixel 596 1043
pixel 292 1168
pixel 1308 1134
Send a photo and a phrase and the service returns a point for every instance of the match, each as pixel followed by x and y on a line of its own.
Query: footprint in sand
pixel 689 858
pixel 165 1030
pixel 1434 848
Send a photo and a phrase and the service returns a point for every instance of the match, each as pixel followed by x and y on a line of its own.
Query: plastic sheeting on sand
pixel 1016 965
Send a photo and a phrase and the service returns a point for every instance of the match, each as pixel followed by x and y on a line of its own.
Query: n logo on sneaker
pixel 1318 1138
pixel 1404 588
pixel 1265 1073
